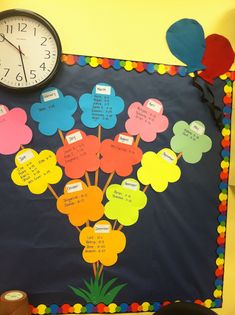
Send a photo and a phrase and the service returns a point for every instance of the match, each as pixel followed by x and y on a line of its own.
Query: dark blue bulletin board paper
pixel 171 250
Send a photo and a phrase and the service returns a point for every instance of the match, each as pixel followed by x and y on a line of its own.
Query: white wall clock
pixel 30 50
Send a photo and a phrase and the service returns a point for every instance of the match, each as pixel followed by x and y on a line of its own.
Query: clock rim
pixel 50 27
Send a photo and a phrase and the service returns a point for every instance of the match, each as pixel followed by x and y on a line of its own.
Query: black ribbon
pixel 215 111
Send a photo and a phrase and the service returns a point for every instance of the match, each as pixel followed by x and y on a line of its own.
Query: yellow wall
pixel 135 30
pixel 127 29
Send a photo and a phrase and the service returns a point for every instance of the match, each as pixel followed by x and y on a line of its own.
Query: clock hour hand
pixel 22 62
pixel 7 40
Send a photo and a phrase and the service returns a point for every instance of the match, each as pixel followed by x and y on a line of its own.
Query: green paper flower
pixel 190 140
pixel 125 201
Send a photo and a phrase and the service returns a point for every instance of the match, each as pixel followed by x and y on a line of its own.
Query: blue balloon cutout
pixel 186 41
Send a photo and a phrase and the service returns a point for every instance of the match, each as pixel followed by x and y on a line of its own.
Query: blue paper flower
pixel 101 107
pixel 54 111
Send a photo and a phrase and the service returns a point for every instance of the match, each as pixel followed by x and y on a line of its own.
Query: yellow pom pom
pixel 41 309
pixel 161 69
pixel 94 62
pixel 217 293
pixel 225 132
pixel 219 261
pixel 223 197
pixel 145 306
pixel 224 164
pixel 191 74
pixel 77 308
pixel 228 89
pixel 208 303
pixel 221 229
pixel 223 76
pixel 112 307
pixel 128 66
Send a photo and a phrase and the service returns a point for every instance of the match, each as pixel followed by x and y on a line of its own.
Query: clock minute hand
pixel 4 37
pixel 22 62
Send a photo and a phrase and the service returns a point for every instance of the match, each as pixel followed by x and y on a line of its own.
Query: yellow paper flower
pixel 159 169
pixel 36 170
pixel 102 243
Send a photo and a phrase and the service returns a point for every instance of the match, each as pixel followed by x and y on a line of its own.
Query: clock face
pixel 29 51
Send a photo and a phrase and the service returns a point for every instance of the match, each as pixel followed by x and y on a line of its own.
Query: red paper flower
pixel 119 155
pixel 79 153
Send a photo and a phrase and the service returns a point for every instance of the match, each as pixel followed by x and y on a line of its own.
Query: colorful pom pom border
pixel 128 65
pixel 161 69
pixel 111 308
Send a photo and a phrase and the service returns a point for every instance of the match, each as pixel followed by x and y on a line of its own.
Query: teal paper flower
pixel 190 140
pixel 54 111
pixel 101 107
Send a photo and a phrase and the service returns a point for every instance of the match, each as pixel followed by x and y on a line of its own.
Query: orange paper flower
pixel 102 243
pixel 81 203
pixel 79 153
pixel 119 155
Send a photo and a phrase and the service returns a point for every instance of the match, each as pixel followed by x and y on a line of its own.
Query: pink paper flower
pixel 13 130
pixel 119 155
pixel 146 120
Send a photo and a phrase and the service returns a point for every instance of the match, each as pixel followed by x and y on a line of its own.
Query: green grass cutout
pixel 97 291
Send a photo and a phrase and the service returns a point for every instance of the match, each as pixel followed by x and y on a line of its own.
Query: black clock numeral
pixel 32 74
pixel 2 37
pixel 22 27
pixel 43 66
pixel 19 77
pixel 44 40
pixel 9 28
pixel 48 54
pixel 34 31
pixel 7 71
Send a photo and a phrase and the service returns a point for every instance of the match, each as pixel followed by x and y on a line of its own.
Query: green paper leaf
pixel 97 292
pixel 113 293
pixel 89 286
pixel 107 286
pixel 101 282
pixel 81 292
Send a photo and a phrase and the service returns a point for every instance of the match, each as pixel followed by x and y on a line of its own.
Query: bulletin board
pixel 171 246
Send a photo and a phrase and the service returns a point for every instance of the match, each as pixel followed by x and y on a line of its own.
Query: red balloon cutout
pixel 218 57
